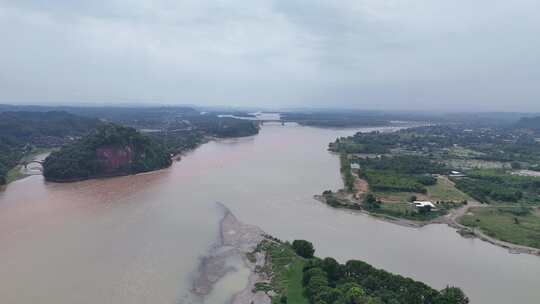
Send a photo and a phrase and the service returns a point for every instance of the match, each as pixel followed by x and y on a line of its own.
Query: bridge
pixel 262 121
pixel 26 163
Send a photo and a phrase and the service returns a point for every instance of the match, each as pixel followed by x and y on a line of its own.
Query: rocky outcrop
pixel 112 159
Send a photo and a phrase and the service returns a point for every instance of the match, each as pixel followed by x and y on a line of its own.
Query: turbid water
pixel 139 239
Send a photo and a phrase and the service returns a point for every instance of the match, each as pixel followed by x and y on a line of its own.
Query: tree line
pixel 326 281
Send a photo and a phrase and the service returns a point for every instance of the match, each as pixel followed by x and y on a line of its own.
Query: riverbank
pixel 281 272
pixel 524 228
pixel 451 219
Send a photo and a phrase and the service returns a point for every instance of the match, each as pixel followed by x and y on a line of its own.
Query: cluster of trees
pixel 179 141
pixel 80 159
pixel 326 281
pixel 400 173
pixel 371 203
pixel 10 153
pixel 224 126
pixel 366 143
pixel 404 164
pixel 489 143
pixel 495 185
pixel 303 248
pixel 389 181
pixel 345 168
pixel 189 132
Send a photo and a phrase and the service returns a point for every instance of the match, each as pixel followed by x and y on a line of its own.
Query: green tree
pixel 355 295
pixel 312 272
pixel 370 202
pixel 315 285
pixel 332 269
pixel 328 295
pixel 303 248
pixel 452 295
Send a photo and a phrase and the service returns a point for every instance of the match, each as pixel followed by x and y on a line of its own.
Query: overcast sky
pixel 366 54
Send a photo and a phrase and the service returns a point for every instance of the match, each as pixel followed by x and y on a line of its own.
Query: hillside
pixel 35 126
pixel 111 150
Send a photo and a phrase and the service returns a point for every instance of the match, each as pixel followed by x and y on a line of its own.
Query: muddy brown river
pixel 139 239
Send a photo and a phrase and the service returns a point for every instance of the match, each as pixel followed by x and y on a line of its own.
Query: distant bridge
pixel 262 121
pixel 26 163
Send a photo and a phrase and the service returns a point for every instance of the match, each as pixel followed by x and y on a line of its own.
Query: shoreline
pixel 450 220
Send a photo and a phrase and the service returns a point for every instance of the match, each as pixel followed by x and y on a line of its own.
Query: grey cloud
pixel 473 55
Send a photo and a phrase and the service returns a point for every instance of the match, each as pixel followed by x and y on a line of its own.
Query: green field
pixel 444 190
pixel 505 224
pixel 287 272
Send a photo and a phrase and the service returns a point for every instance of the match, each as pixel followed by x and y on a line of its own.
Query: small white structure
pixel 456 174
pixel 420 204
pixel 355 166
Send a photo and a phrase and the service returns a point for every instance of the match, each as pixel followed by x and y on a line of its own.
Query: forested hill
pixel 29 126
pixel 22 132
pixel 111 150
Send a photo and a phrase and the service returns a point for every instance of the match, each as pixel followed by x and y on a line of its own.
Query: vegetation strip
pixel 298 277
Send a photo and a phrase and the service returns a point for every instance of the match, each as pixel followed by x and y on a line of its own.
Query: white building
pixel 420 204
pixel 355 166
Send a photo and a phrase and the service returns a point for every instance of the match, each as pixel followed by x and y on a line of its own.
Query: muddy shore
pixel 237 241
pixel 451 220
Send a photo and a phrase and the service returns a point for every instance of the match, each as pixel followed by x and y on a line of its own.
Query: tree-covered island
pixel 111 150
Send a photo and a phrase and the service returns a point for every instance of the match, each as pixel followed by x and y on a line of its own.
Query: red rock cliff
pixel 114 158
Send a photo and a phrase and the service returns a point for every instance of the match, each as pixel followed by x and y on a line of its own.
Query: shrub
pixel 303 248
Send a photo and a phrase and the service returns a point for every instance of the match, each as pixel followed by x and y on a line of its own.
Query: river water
pixel 139 239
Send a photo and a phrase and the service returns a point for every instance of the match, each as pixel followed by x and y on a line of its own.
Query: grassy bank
pixel 14 174
pixel 286 267
pixel 445 190
pixel 510 224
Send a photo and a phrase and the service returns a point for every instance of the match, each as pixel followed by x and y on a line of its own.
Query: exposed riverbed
pixel 140 239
